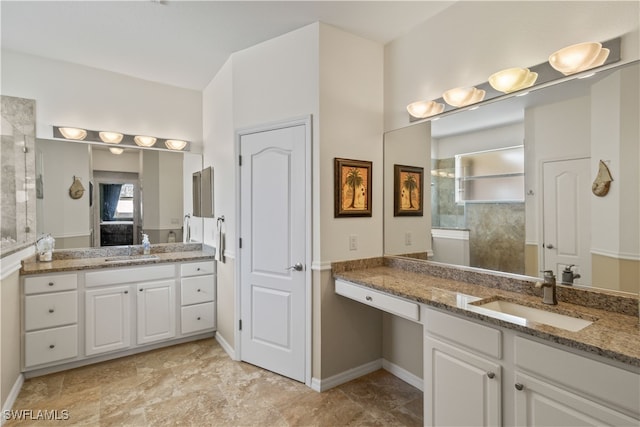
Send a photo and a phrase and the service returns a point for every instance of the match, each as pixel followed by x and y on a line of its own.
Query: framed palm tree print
pixel 352 188
pixel 408 190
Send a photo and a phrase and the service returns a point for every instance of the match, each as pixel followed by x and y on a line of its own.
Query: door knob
pixel 550 246
pixel 297 267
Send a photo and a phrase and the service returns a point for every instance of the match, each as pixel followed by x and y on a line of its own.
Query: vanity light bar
pixel 564 62
pixel 122 140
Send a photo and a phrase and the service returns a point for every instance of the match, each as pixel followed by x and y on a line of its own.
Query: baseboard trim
pixel 403 374
pixel 11 398
pixel 321 385
pixel 225 346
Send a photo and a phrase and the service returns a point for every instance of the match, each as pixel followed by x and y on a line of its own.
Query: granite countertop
pixel 614 333
pixel 119 256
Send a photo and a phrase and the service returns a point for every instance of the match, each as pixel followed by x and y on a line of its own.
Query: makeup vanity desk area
pixel 91 305
pixel 484 368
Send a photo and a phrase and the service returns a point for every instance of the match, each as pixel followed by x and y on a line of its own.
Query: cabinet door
pixel 539 403
pixel 461 389
pixel 156 311
pixel 108 319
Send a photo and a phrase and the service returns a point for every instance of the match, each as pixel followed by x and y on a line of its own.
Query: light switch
pixel 407 238
pixel 353 242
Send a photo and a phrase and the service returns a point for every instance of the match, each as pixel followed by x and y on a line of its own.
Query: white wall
pixel 614 218
pixel 351 113
pixel 480 140
pixel 469 41
pixel 408 146
pixel 74 95
pixel 63 216
pixel 105 160
pixel 553 132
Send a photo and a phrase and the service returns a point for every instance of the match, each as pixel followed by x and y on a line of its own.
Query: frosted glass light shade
pixel 578 57
pixel 73 133
pixel 424 109
pixel 463 96
pixel 116 150
pixel 512 79
pixel 110 137
pixel 175 144
pixel 144 141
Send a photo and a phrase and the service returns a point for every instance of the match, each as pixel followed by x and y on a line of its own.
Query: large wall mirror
pixel 126 193
pixel 511 183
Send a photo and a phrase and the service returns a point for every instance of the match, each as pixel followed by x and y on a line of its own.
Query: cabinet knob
pixel 50 283
pixel 368 298
pixel 198 290
pixel 51 310
pixel 519 387
pixel 126 292
pixel 491 375
pixel 52 346
pixel 141 289
pixel 198 318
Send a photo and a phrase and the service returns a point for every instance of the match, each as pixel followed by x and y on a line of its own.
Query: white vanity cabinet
pixel 107 319
pixel 462 372
pixel 555 387
pixel 156 315
pixel 478 375
pixel 50 318
pixel 197 297
pixel 75 317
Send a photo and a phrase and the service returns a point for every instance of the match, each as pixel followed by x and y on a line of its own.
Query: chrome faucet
pixel 548 288
pixel 568 276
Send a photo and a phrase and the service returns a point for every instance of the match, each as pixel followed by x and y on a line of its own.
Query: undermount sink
pixel 129 258
pixel 512 310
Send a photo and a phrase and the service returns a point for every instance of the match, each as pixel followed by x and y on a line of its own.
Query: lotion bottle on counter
pixel 146 245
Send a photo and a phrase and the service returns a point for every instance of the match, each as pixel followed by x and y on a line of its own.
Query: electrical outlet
pixel 353 242
pixel 407 239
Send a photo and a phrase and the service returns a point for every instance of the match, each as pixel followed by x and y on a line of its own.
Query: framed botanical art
pixel 352 188
pixel 408 190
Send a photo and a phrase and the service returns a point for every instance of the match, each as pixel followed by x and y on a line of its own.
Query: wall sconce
pixel 144 141
pixel 512 79
pixel 463 96
pixel 111 137
pixel 175 144
pixel 116 150
pixel 578 57
pixel 424 109
pixel 73 133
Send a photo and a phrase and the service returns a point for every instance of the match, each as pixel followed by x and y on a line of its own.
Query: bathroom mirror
pixel 125 194
pixel 566 129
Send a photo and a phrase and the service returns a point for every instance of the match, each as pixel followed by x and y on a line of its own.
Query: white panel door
pixel 566 217
pixel 108 319
pixel 156 311
pixel 273 233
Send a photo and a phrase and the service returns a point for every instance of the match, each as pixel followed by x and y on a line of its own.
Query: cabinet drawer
pixel 388 303
pixel 613 386
pixel 49 310
pixel 198 317
pixel 129 275
pixel 50 345
pixel 468 334
pixel 197 268
pixel 53 283
pixel 194 290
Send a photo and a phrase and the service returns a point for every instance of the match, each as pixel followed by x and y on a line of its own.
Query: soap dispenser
pixel 146 245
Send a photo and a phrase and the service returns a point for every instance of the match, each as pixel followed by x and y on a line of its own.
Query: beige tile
pixel 196 384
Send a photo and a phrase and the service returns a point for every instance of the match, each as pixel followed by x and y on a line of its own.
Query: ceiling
pixel 185 43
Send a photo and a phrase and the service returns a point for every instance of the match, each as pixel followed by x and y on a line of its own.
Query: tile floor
pixel 197 384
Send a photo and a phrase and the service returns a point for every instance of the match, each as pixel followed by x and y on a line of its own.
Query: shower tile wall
pixel 17 184
pixel 496 236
